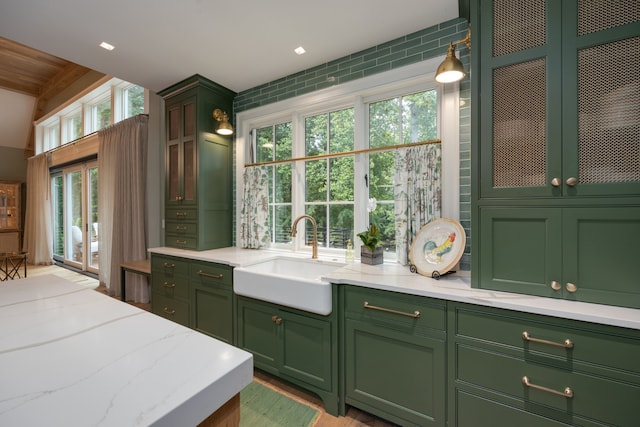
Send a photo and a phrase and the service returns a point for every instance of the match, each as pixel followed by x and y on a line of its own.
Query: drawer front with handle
pixel 179 228
pixel 169 308
pixel 541 386
pixel 211 274
pixel 559 341
pixel 167 267
pixel 402 310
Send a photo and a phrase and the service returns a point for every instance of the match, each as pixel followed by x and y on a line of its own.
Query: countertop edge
pixel 454 287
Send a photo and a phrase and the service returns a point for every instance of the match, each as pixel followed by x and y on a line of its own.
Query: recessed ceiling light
pixel 107 46
pixel 299 50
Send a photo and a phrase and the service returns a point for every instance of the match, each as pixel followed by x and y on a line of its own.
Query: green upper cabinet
pixel 559 98
pixel 556 148
pixel 198 169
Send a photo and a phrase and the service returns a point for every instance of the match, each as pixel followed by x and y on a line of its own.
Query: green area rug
pixel 262 407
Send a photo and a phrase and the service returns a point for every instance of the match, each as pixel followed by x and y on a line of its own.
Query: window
pixel 400 120
pixel 99 114
pixel 274 143
pixel 329 192
pixel 72 126
pixel 113 100
pixel 52 136
pixel 132 101
pixel 399 107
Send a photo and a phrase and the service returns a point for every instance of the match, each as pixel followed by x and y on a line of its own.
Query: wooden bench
pixel 142 266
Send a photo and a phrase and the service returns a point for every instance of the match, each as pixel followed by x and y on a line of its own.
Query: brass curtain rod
pixel 344 153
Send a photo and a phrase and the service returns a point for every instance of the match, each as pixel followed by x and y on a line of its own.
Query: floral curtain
pixel 417 193
pixel 254 213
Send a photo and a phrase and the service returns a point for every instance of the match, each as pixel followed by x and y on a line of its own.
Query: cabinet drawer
pixel 169 308
pixel 171 287
pixel 182 242
pixel 211 274
pixel 169 266
pixel 606 346
pixel 174 214
pixel 392 308
pixel 181 228
pixel 473 410
pixel 595 397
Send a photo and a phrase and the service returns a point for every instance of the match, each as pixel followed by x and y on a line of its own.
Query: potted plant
pixel 371 249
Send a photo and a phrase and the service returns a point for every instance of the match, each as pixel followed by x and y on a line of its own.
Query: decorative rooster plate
pixel 437 247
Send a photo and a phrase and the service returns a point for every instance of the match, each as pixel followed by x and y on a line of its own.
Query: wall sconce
pixel 224 128
pixel 451 69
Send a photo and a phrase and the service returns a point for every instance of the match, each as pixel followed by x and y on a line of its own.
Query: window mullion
pixel 361 168
pixel 297 172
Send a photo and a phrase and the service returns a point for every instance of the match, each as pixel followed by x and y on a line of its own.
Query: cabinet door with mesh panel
pixel 560 111
pixel 601 105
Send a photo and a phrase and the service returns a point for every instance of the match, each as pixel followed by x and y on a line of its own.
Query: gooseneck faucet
pixel 314 243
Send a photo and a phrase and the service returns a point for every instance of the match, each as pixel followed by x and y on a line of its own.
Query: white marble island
pixel 70 356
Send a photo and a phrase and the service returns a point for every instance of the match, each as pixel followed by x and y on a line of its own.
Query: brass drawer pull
pixel 566 344
pixel 181 242
pixel 167 265
pixel 212 276
pixel 169 312
pixel 415 314
pixel 181 228
pixel 567 392
pixel 169 285
pixel 182 214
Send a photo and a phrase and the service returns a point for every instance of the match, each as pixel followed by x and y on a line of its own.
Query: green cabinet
pixel 196 294
pixel 578 253
pixel 556 203
pixel 508 368
pixel 170 288
pixel 394 364
pixel 212 299
pixel 297 346
pixel 198 169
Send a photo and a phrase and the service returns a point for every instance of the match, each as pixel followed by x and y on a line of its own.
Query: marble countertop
pixel 71 356
pixel 452 287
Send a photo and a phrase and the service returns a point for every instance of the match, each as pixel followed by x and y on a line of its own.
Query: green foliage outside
pixel 329 183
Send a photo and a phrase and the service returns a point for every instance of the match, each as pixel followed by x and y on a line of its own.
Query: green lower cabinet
pixel 294 345
pixel 212 299
pixel 508 368
pixel 395 364
pixel 196 294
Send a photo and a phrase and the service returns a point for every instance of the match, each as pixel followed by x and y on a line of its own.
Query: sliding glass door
pixel 75 216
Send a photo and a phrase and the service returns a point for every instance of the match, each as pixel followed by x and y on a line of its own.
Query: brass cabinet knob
pixel 276 319
pixel 555 182
pixel 571 182
pixel 555 285
pixel 571 287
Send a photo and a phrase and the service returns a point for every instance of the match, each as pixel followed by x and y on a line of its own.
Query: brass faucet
pixel 314 243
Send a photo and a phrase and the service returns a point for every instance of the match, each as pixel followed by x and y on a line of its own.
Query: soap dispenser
pixel 348 255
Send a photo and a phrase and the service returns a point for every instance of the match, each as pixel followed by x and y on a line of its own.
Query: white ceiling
pixel 239 44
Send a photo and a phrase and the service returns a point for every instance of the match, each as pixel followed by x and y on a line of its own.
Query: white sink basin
pixel 292 282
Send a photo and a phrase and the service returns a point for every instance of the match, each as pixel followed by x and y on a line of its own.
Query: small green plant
pixel 371 237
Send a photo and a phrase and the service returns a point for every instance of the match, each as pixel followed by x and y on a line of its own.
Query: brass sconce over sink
pixel 224 128
pixel 451 69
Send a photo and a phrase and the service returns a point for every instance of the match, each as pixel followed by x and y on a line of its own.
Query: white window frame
pixel 66 125
pixel 357 94
pixel 86 101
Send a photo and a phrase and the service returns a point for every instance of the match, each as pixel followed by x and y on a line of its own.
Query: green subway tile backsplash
pixel 415 47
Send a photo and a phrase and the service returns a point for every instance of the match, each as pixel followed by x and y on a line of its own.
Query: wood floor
pixel 354 417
